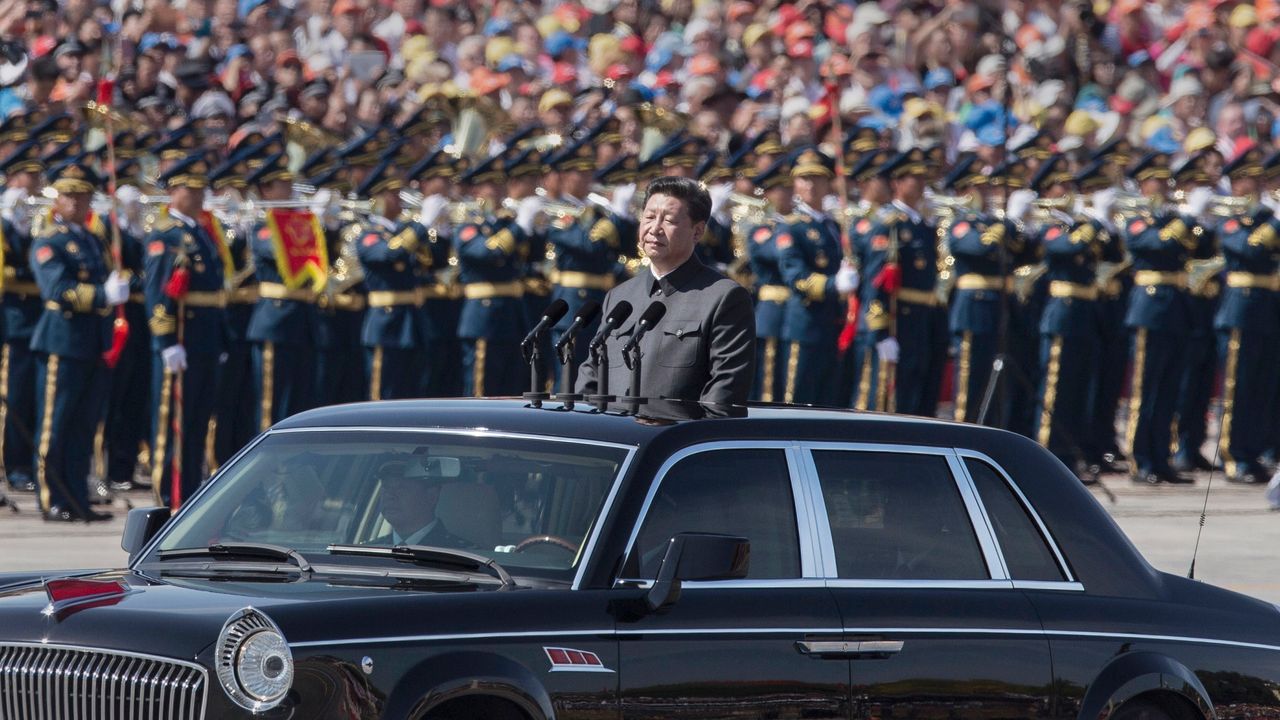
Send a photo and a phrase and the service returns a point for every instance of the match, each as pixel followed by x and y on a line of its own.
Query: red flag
pixel 300 251
pixel 106 89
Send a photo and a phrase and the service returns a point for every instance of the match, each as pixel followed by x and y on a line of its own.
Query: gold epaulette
pixel 605 230
pixel 160 222
pixel 795 217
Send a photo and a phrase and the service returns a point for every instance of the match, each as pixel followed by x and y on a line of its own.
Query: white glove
pixel 887 350
pixel 175 358
pixel 116 288
pixel 846 278
pixel 527 212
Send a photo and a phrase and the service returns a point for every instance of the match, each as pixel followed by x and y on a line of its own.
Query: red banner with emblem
pixel 298 240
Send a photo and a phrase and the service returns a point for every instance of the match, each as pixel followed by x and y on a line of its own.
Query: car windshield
pixel 528 503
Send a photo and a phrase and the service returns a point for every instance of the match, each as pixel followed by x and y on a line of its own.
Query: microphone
pixel 651 316
pixel 550 316
pixel 585 315
pixel 616 317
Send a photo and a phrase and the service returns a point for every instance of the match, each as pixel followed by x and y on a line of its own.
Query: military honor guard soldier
pixel 187 299
pixel 79 287
pixel 771 290
pixel 284 327
pixel 24 175
pixel 1248 330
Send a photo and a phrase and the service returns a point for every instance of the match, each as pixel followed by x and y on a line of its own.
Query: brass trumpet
pixel 1230 205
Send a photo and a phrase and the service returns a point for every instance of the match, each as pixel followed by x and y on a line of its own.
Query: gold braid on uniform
pixel 80 297
pixel 814 286
pixel 406 239
pixel 503 241
pixel 605 230
pixel 161 322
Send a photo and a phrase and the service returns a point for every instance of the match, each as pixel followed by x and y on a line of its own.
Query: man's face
pixel 73 207
pixel 667 233
pixel 409 504
pixel 812 189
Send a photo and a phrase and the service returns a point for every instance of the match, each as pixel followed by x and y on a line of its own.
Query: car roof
pixel 653 419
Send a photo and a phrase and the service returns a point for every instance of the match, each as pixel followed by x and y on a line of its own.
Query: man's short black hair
pixel 695 197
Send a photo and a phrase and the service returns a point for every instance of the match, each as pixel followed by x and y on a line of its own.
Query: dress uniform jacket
pixel 437 315
pixel 1200 369
pixel 586 266
pixel 1069 334
pixel 703 348
pixel 715 248
pixel 70 265
pixel 22 308
pixel 173 243
pixel 393 324
pixel 1159 317
pixel 809 256
pixel 913 314
pixel 491 272
pixel 772 294
pixel 1248 325
pixel 986 250
pixel 285 331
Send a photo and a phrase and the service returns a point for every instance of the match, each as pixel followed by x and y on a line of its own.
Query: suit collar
pixel 677 279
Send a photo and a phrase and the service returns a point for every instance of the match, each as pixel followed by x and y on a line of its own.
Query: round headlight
pixel 255 667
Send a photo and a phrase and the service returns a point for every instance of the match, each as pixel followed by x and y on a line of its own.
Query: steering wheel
pixel 546 539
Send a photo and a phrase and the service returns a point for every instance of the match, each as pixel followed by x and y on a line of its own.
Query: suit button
pixel 486 302
pixel 582 293
pixel 1151 290
pixel 680 333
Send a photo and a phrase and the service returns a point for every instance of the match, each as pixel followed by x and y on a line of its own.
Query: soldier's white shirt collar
pixel 182 218
pixel 385 222
pixel 909 211
pixel 809 210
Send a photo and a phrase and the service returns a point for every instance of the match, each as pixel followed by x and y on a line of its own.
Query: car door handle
pixel 849 648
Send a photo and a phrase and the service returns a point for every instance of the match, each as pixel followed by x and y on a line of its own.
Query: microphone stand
pixel 533 356
pixel 568 373
pixel 633 359
pixel 599 356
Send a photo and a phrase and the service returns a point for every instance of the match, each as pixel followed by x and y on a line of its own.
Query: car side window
pixel 897 516
pixel 746 493
pixel 1026 553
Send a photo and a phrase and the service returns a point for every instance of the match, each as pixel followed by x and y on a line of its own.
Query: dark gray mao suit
pixel 702 350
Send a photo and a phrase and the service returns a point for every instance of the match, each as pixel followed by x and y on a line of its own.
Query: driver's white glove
pixel 846 278
pixel 116 288
pixel 887 350
pixel 175 358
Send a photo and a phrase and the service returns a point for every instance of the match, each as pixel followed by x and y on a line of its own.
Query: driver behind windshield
pixel 410 493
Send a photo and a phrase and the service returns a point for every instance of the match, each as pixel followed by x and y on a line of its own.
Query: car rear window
pixel 1026 553
pixel 897 516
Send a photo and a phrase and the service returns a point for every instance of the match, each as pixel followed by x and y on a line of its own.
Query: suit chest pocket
pixel 680 346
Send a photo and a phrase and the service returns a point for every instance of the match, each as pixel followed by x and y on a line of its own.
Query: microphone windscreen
pixel 588 311
pixel 555 311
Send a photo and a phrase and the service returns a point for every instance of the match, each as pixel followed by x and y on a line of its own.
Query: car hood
pixel 180 617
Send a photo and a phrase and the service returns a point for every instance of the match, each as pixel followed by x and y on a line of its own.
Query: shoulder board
pixel 163 222
pixel 796 217
pixel 504 214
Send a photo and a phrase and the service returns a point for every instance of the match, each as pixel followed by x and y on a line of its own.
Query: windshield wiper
pixel 427 555
pixel 235 550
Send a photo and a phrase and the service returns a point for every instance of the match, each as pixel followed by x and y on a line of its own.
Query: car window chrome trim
pixel 991 557
pixel 469 432
pixel 810 544
pixel 1026 505
pixel 1054 585
pixel 601 516
pixel 699 448
pixel 761 584
pixel 982 529
pixel 1092 634
pixel 821 520
pixel 941 584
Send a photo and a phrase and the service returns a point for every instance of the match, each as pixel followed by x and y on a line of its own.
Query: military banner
pixel 300 251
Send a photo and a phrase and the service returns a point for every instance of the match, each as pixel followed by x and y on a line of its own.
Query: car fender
pixel 454 675
pixel 1133 674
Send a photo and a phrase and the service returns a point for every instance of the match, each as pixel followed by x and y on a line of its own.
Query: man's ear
pixel 699 229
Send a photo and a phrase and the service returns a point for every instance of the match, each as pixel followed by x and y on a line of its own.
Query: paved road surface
pixel 1240 548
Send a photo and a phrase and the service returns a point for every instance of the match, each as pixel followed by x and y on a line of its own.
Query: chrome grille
pixel 56 682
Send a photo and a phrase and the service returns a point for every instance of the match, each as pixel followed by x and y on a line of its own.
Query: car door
pixel 731 648
pixel 933 626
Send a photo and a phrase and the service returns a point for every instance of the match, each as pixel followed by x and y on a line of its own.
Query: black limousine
pixel 458 560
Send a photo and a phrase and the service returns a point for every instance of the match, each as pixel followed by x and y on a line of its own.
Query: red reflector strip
pixel 76 589
pixel 558 656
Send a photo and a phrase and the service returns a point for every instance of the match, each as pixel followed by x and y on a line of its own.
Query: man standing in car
pixel 703 348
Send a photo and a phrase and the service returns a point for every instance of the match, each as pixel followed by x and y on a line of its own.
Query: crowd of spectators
pixel 1154 71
